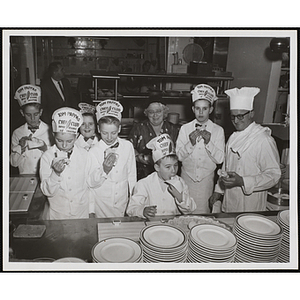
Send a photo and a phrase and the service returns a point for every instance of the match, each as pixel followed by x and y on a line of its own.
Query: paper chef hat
pixel 161 146
pixel 242 98
pixel 109 108
pixel 66 120
pixel 204 92
pixel 86 108
pixel 28 93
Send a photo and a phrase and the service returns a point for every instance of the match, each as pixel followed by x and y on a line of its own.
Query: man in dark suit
pixel 56 91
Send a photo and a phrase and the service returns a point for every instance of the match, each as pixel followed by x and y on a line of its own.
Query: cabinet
pixel 135 94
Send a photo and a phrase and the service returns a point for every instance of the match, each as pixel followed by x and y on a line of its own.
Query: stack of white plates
pixel 283 219
pixel 211 243
pixel 258 239
pixel 163 243
pixel 117 250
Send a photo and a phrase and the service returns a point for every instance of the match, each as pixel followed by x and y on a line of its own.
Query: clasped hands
pixel 194 135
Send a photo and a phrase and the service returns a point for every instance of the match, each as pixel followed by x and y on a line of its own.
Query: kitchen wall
pixel 250 66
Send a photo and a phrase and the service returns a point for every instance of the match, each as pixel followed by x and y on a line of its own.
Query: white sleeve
pixel 183 145
pixel 50 181
pixel 138 200
pixel 188 204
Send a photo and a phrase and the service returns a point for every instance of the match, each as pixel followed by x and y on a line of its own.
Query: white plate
pixel 285 217
pixel 69 260
pixel 116 250
pixel 258 225
pixel 163 236
pixel 212 236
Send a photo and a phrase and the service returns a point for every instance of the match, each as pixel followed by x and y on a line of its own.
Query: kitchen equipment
pixel 193 52
pixel 201 68
pixel 173 118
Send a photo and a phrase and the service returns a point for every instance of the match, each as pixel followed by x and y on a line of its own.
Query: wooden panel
pixel 18 203
pixel 22 184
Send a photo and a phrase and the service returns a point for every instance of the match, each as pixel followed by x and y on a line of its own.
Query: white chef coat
pixel 151 191
pixel 199 161
pixel 251 153
pixel 80 142
pixel 67 193
pixel 28 161
pixel 111 191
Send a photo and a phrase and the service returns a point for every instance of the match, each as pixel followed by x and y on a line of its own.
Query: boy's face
pixel 65 141
pixel 109 132
pixel 167 168
pixel 88 127
pixel 202 109
pixel 32 115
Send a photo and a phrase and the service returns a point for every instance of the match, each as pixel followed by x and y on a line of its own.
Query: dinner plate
pixel 69 260
pixel 244 238
pixel 163 236
pixel 116 250
pixel 258 225
pixel 212 236
pixel 285 217
pixel 196 248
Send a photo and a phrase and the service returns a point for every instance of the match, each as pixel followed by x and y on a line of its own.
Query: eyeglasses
pixel 153 112
pixel 239 117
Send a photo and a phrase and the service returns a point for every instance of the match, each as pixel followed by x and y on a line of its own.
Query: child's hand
pixel 150 211
pixel 206 136
pixel 58 165
pixel 109 162
pixel 193 136
pixel 175 193
pixel 92 215
pixel 23 140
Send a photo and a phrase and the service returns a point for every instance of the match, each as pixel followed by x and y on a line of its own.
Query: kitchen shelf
pixel 162 77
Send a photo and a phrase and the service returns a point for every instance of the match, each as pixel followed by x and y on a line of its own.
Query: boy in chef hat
pixel 111 165
pixel 252 159
pixel 200 147
pixel 63 168
pixel 162 192
pixel 30 140
pixel 89 135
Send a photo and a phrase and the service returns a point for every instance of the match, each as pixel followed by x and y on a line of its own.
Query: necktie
pixel 87 138
pixel 116 145
pixel 33 129
pixel 61 88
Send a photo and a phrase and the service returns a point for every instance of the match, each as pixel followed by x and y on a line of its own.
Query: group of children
pixel 89 174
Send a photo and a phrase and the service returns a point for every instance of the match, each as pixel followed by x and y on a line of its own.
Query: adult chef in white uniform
pixel 251 163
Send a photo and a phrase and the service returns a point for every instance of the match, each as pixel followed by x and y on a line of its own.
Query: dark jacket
pixel 52 100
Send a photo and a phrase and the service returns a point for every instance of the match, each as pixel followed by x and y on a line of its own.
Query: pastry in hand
pixel 35 143
pixel 222 173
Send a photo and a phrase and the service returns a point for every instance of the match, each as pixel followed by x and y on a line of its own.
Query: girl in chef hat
pixel 89 135
pixel 111 165
pixel 63 169
pixel 162 192
pixel 32 139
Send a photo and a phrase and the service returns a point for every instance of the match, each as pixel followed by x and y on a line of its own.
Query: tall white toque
pixel 242 99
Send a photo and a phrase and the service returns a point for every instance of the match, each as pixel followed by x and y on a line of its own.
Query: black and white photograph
pixel 150 150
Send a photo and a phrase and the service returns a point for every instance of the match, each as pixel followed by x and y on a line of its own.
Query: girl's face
pixel 109 132
pixel 88 127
